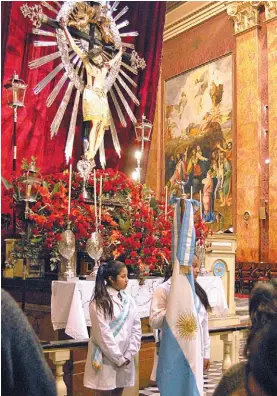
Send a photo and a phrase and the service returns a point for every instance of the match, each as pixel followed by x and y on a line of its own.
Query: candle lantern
pixel 143 130
pixel 15 91
pixel 28 186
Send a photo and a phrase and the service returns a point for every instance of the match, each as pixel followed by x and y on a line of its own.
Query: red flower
pixel 133 253
pixel 146 251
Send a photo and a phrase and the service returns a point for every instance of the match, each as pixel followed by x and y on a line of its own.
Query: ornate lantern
pixel 143 130
pixel 15 91
pixel 28 186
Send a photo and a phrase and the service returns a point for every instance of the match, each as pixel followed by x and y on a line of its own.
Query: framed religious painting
pixel 198 138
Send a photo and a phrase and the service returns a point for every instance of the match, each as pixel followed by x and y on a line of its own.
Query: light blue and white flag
pixel 180 367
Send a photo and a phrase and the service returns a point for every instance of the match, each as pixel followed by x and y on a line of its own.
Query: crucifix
pixel 80 30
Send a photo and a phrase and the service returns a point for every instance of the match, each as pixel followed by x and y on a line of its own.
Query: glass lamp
pixel 28 187
pixel 15 91
pixel 143 130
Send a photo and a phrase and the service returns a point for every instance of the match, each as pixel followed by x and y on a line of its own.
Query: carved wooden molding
pixel 270 10
pixel 245 15
pixel 194 18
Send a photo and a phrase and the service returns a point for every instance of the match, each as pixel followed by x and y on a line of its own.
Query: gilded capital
pixel 270 9
pixel 244 14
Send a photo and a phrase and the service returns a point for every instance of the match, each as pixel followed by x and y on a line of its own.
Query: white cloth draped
pixel 70 301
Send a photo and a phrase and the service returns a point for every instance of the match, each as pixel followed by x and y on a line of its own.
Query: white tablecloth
pixel 70 301
pixel 213 286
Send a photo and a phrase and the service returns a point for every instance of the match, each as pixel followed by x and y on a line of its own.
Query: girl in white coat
pixel 115 333
pixel 158 311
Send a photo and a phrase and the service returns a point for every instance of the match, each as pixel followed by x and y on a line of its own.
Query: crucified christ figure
pixel 95 100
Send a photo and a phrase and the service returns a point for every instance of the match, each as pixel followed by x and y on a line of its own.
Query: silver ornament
pixel 66 245
pixel 95 246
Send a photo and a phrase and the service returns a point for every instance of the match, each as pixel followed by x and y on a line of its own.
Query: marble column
pixel 271 28
pixel 248 128
pixel 155 167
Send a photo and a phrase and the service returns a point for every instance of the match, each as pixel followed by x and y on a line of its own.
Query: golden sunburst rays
pixel 187 326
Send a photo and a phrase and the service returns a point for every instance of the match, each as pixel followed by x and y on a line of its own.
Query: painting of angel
pixel 198 108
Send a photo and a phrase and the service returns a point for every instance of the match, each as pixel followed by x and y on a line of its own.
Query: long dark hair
pixel 262 362
pixel 101 295
pixel 262 310
pixel 200 292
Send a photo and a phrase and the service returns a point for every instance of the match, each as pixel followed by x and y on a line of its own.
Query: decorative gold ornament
pixel 244 14
pixel 187 326
pixel 81 16
pixel 185 269
pixel 34 13
pixel 270 10
pixel 137 62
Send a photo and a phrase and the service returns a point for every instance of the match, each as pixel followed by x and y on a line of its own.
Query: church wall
pixel 248 131
pixel 254 182
pixel 272 129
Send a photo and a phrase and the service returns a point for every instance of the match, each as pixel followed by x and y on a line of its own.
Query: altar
pixel 70 301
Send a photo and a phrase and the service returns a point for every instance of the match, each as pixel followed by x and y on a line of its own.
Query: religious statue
pixel 93 71
pixel 95 100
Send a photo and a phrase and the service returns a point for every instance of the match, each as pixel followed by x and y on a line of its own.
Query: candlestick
pixel 95 199
pixel 69 187
pixel 200 204
pixel 166 199
pixel 191 190
pixel 100 198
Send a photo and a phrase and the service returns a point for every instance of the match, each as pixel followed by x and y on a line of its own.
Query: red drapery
pixel 34 120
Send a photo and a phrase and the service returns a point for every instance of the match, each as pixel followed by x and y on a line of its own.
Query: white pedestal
pixel 223 248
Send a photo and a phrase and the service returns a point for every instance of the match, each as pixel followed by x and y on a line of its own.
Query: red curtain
pixel 5 27
pixel 34 120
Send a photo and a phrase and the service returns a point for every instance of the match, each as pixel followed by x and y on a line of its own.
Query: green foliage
pixel 27 165
pixel 124 225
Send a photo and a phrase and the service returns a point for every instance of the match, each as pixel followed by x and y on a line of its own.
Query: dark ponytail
pixel 202 296
pixel 101 295
pixel 168 272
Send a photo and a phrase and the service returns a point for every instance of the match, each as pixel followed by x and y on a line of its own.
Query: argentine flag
pixel 180 366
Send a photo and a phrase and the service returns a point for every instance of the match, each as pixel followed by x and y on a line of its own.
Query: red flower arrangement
pixel 137 233
pixel 143 237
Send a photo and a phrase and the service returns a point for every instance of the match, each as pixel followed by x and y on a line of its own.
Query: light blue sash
pixel 115 325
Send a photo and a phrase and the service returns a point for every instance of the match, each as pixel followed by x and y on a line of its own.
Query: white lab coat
pixel 157 314
pixel 125 345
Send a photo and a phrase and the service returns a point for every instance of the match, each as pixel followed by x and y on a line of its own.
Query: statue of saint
pixel 95 100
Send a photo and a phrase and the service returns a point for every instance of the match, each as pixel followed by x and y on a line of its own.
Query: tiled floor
pixel 210 381
pixel 214 374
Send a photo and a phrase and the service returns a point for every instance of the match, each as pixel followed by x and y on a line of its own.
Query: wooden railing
pixel 59 352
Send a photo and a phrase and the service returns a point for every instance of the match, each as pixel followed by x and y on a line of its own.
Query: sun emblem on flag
pixel 187 326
